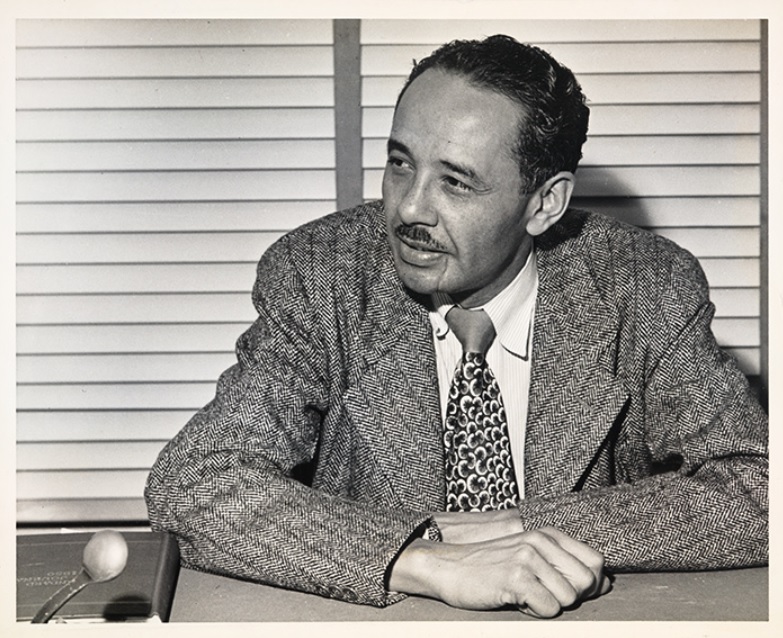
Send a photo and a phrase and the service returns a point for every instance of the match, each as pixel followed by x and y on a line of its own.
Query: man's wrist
pixel 410 571
pixel 474 527
pixel 432 531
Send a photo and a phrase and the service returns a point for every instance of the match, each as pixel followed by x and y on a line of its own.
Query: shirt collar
pixel 511 310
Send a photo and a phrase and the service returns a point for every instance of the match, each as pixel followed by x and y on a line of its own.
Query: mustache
pixel 418 235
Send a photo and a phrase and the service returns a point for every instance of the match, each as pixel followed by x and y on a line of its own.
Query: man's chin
pixel 421 285
pixel 421 281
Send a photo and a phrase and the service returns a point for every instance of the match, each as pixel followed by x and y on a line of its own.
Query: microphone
pixel 103 559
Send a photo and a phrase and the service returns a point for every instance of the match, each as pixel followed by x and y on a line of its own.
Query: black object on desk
pixel 143 592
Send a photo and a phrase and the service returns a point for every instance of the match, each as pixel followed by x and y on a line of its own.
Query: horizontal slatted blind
pixel 674 134
pixel 156 161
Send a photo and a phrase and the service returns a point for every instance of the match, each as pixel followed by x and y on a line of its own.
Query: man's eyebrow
pixel 396 145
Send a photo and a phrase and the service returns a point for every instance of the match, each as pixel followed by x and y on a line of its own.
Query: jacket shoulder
pixel 336 234
pixel 327 247
pixel 625 254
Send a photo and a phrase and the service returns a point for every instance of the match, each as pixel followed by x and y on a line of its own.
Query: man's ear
pixel 548 202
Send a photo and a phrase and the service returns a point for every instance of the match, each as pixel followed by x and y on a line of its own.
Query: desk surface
pixel 703 596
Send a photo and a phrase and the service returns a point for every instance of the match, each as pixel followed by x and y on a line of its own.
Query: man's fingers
pixel 581 566
pixel 543 604
pixel 590 557
pixel 605 587
pixel 552 580
pixel 539 602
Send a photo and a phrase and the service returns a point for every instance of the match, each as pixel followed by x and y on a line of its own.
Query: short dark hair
pixel 554 126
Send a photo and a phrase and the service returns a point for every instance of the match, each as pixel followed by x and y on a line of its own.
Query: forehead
pixel 445 112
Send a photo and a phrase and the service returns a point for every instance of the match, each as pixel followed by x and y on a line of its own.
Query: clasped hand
pixel 486 562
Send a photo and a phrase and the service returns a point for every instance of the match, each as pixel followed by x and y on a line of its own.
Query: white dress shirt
pixel 511 311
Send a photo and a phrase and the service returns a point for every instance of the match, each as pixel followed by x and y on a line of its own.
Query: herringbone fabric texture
pixel 339 369
pixel 478 464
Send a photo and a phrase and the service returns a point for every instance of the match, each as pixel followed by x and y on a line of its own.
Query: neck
pixel 481 296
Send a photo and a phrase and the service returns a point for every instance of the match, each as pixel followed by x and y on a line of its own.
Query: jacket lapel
pixel 574 394
pixel 394 402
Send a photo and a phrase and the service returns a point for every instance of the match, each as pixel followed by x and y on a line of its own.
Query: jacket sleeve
pixel 224 484
pixel 693 413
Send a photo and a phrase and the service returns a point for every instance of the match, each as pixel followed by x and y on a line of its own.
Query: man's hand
pixel 540 572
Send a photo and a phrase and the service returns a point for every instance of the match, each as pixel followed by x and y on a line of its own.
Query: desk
pixel 704 596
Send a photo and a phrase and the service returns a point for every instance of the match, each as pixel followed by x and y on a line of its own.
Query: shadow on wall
pixel 601 190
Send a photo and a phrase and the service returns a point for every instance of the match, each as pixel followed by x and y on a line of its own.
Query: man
pixel 616 432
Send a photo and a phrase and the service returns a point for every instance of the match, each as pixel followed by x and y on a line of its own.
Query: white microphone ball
pixel 105 555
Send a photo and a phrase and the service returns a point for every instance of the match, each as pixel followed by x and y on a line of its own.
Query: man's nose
pixel 416 205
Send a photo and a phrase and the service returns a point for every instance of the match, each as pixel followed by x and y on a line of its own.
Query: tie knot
pixel 473 328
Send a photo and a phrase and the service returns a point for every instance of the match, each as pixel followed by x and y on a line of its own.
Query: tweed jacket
pixel 643 438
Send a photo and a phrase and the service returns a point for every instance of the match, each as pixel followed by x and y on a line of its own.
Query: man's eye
pixel 458 185
pixel 396 162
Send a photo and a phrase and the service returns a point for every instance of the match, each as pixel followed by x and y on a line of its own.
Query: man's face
pixel 455 208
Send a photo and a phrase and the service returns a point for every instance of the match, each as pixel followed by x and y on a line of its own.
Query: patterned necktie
pixel 479 468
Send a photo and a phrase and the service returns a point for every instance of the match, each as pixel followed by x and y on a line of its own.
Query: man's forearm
pixel 711 520
pixel 262 526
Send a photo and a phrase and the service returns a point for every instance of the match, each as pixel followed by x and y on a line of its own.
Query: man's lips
pixel 418 239
pixel 419 245
pixel 420 254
